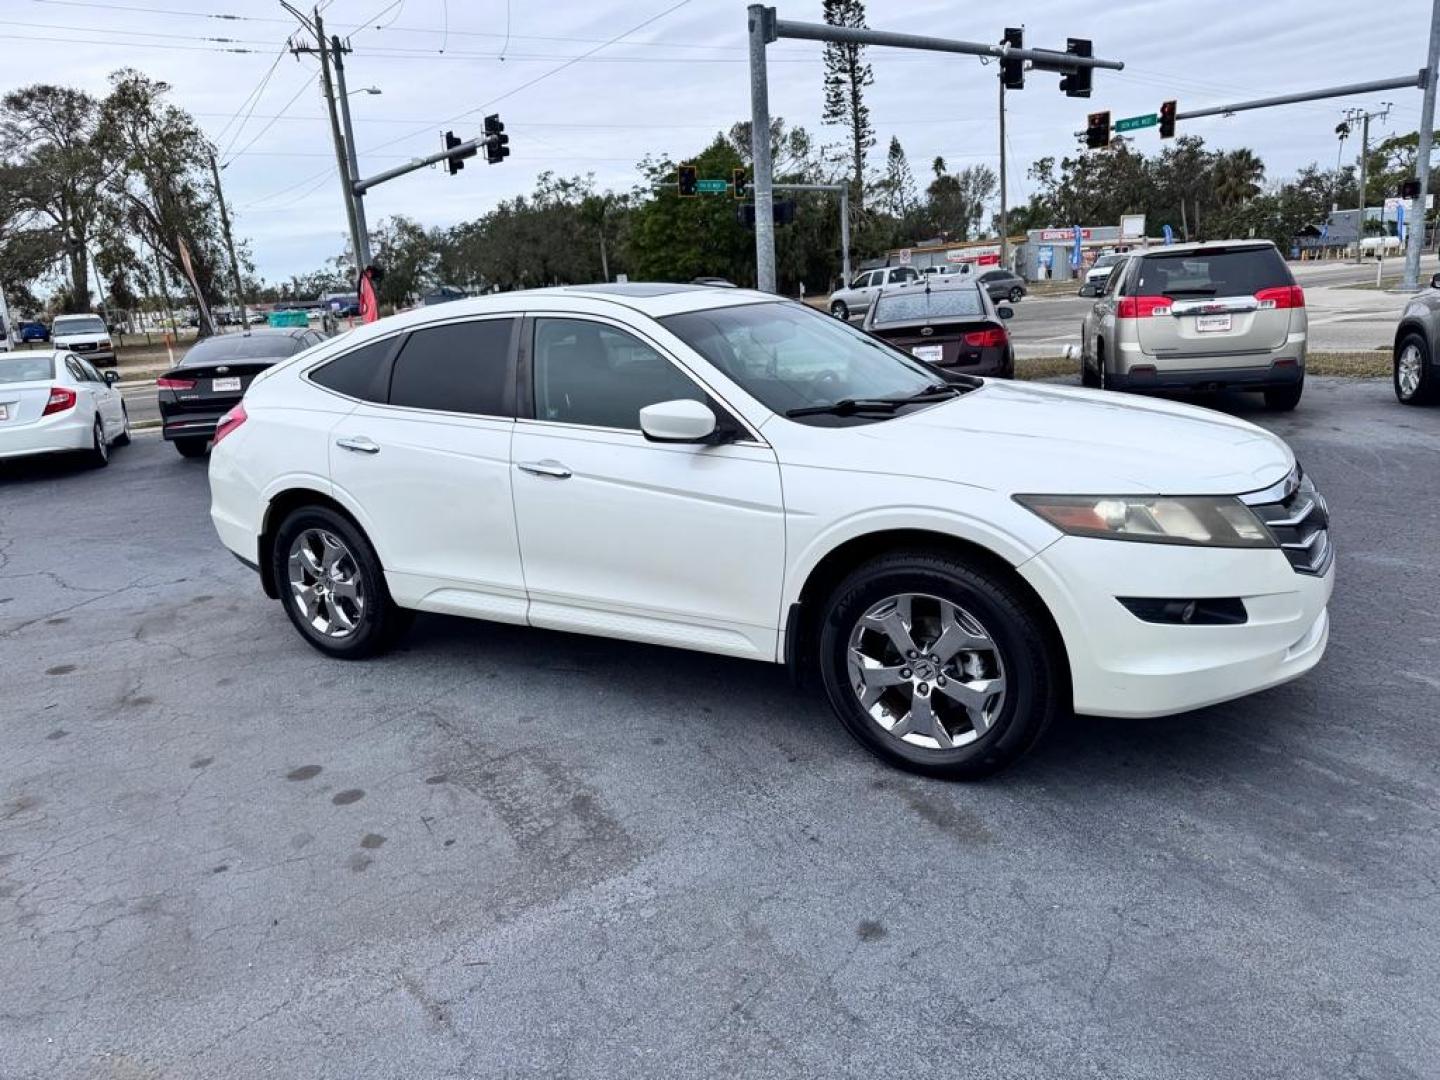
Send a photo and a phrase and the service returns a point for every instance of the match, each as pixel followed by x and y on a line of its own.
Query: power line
pixel 252 100
pixel 260 134
pixel 149 45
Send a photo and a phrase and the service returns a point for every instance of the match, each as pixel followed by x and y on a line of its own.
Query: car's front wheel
pixel 937 666
pixel 332 585
pixel 840 310
pixel 1015 294
pixel 123 439
pixel 1414 381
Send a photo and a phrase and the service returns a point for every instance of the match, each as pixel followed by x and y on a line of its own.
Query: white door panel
pixel 677 544
pixel 436 491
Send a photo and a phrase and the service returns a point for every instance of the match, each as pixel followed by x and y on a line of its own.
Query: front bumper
pixel 1123 666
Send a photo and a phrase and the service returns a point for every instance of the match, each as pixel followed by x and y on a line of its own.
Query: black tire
pixel 380 623
pixel 99 453
pixel 1284 398
pixel 1087 377
pixel 1100 382
pixel 192 447
pixel 1016 294
pixel 1425 392
pixel 123 439
pixel 840 310
pixel 1036 685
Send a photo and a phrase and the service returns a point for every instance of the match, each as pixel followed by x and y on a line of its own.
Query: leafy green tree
pixel 677 239
pixel 897 189
pixel 955 202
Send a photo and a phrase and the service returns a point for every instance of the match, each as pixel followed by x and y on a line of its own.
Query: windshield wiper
pixel 851 406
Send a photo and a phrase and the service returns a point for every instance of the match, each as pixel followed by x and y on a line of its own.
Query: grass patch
pixel 1045 367
pixel 1373 364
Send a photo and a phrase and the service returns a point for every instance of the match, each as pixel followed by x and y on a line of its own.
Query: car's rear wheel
pixel 1414 381
pixel 1015 294
pixel 840 310
pixel 937 666
pixel 1088 377
pixel 1284 398
pixel 332 585
pixel 192 447
pixel 99 455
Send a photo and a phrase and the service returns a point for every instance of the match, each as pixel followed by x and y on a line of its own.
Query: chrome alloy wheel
pixel 1408 371
pixel 926 671
pixel 325 583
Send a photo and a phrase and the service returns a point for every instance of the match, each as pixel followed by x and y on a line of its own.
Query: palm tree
pixel 1236 177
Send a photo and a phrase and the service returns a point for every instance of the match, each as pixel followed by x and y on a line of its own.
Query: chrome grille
pixel 1298 519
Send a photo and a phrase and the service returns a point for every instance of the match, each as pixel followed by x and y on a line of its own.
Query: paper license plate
pixel 931 354
pixel 4 412
pixel 233 383
pixel 1208 324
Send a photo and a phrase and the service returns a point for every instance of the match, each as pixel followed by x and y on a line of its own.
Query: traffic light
pixel 1077 83
pixel 497 143
pixel 1097 130
pixel 1167 119
pixel 688 176
pixel 453 164
pixel 740 183
pixel 1410 189
pixel 1012 71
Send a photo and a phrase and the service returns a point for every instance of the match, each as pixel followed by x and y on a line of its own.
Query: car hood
pixel 1019 438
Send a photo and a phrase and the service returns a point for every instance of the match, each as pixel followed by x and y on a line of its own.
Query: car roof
pixel 1202 245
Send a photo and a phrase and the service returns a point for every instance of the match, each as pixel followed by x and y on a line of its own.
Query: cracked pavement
pixel 513 853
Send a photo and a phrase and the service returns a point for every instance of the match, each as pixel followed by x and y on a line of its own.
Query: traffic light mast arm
pixel 464 149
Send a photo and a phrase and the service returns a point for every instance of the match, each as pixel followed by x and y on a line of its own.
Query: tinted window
pixel 588 373
pixel 938 303
pixel 90 372
pixel 462 367
pixel 227 347
pixel 357 373
pixel 26 367
pixel 1211 273
pixel 904 274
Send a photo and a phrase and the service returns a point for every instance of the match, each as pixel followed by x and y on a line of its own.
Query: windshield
pixel 788 356
pixel 90 324
pixel 217 350
pixel 1107 260
pixel 917 306
pixel 25 367
pixel 1217 272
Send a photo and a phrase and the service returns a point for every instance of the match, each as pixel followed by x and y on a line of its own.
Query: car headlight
pixel 1206 521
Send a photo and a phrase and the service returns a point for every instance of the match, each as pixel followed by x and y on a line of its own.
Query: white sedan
pixel 956 561
pixel 58 403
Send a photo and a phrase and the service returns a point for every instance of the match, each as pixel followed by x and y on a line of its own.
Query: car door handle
pixel 545 468
pixel 360 444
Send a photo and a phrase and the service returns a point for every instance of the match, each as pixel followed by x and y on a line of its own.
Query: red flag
pixel 369 302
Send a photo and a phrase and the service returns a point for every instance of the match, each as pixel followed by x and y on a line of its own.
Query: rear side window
pixel 1221 272
pixel 460 367
pixel 358 373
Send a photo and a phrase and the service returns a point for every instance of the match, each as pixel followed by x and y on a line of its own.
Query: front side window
pixel 460 367
pixel 593 374
pixel 862 281
pixel 1112 282
pixel 789 356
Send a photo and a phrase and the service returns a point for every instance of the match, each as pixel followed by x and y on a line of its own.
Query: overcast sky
pixel 672 84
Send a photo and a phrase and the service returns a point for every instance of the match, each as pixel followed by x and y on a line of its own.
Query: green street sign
pixel 1129 123
pixel 712 187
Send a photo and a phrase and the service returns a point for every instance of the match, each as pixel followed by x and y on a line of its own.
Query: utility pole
pixel 316 26
pixel 762 32
pixel 362 232
pixel 1004 224
pixel 1416 240
pixel 229 241
pixel 1364 118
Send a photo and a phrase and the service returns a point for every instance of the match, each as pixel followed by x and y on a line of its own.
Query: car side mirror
pixel 112 377
pixel 1435 281
pixel 679 421
pixel 1005 311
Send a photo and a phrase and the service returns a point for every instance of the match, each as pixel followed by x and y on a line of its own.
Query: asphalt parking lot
pixel 504 852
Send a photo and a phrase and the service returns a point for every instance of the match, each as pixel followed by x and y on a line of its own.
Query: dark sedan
pixel 212 378
pixel 1003 285
pixel 953 326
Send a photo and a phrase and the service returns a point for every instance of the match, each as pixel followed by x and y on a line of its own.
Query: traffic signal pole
pixel 1416 240
pixel 765 27
pixel 1004 225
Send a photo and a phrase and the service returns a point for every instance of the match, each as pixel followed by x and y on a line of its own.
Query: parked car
pixel 212 377
pixel 56 402
pixel 714 282
pixel 1415 352
pixel 1003 285
pixel 84 335
pixel 34 331
pixel 1097 275
pixel 856 298
pixel 948 322
pixel 718 469
pixel 1221 315
pixel 945 270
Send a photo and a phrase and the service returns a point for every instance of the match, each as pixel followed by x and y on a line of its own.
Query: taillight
pixel 228 423
pixel 60 400
pixel 167 382
pixel 1142 307
pixel 1281 296
pixel 986 339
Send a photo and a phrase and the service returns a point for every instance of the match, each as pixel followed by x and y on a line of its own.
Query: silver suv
pixel 856 300
pixel 1225 315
